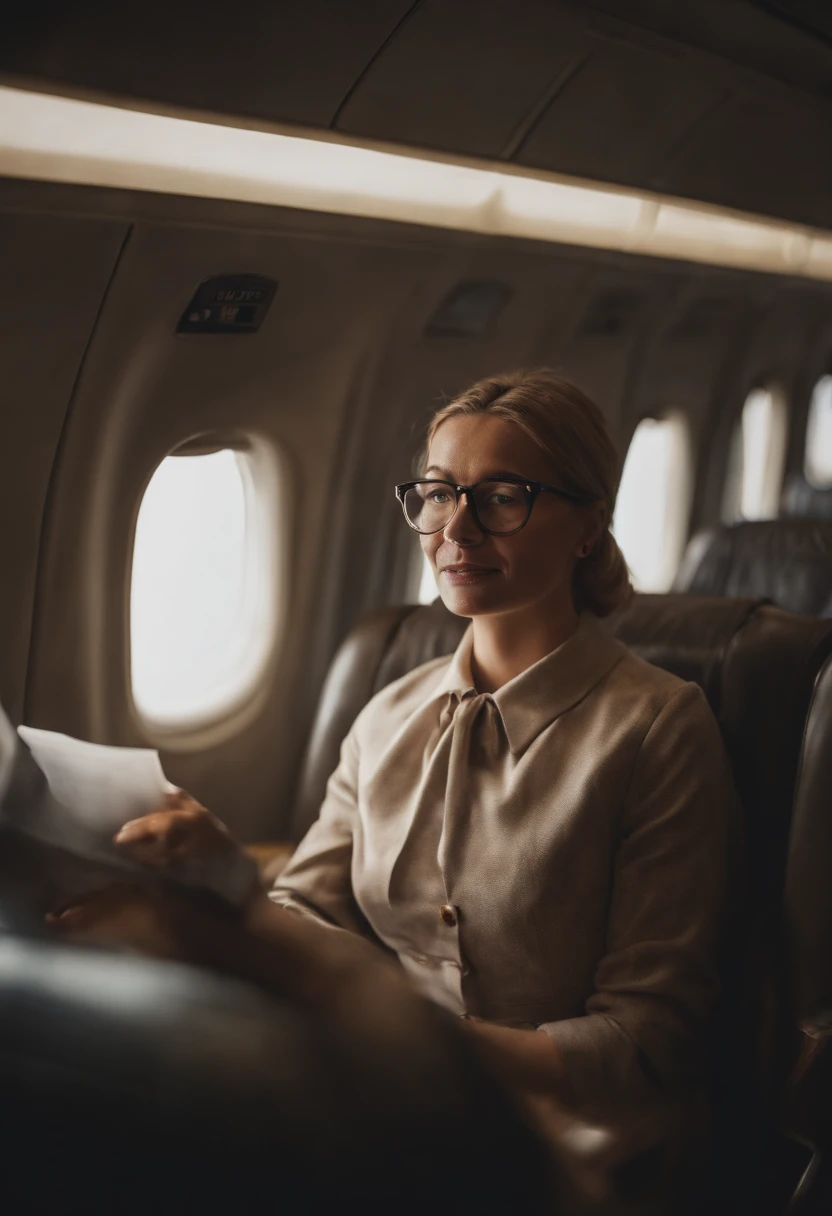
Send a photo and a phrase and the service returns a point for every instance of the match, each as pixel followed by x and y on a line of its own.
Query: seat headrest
pixel 383 646
pixel 801 500
pixel 788 561
pixel 756 664
pixel 687 635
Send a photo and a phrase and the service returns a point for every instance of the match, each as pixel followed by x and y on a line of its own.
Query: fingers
pixel 192 845
pixel 162 837
pixel 148 825
pixel 183 836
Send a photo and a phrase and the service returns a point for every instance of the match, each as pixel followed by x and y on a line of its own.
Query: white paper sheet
pixel 100 787
pixel 75 796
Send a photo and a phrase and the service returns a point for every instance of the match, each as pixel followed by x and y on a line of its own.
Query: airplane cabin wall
pixel 97 388
pixel 55 272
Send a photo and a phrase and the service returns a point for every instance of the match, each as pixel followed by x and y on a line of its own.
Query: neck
pixel 508 643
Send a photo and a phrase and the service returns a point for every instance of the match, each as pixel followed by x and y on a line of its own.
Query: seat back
pixel 801 500
pixel 808 931
pixel 767 674
pixel 788 561
pixel 383 646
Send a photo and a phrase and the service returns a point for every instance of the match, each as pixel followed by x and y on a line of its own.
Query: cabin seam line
pixel 48 501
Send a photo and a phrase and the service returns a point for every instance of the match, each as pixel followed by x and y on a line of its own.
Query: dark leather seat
pixel 133 1087
pixel 788 561
pixel 767 674
pixel 801 500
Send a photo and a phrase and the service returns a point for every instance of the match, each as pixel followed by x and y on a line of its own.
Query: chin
pixel 473 601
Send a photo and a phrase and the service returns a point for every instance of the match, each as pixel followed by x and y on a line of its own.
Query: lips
pixel 465 573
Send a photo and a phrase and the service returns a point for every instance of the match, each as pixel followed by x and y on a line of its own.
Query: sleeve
pixel 318 880
pixel 646 1024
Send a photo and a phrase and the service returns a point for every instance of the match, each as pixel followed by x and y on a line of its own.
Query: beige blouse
pixel 554 854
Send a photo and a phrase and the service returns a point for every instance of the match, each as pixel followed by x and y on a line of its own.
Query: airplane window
pixel 818 459
pixel 758 455
pixel 204 592
pixel 651 515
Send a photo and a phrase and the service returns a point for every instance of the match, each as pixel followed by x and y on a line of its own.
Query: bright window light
pixel 63 139
pixel 762 454
pixel 651 515
pixel 428 590
pixel 818 460
pixel 204 604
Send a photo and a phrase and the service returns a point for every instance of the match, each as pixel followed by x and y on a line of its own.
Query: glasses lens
pixel 502 506
pixel 429 505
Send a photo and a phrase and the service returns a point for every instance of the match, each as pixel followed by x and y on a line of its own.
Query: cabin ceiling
pixel 724 101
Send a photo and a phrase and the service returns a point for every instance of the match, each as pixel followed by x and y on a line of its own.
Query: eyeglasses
pixel 500 507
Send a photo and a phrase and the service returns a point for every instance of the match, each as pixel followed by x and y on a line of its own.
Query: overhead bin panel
pixel 291 61
pixel 773 37
pixel 466 77
pixel 614 90
pixel 626 108
pixel 760 153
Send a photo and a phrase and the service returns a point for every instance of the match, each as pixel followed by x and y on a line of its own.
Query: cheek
pixel 430 545
pixel 543 554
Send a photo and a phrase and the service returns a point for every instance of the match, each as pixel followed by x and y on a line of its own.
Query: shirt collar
pixel 540 694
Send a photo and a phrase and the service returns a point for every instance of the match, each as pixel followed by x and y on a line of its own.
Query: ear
pixel 596 522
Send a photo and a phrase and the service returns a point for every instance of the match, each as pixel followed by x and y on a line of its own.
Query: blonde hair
pixel 570 429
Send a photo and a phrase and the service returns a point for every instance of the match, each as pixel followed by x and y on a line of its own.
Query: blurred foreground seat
pixel 138 1088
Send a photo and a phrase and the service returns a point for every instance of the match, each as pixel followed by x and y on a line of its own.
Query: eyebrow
pixel 494 475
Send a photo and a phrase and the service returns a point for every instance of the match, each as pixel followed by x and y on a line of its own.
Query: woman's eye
pixel 500 500
pixel 438 496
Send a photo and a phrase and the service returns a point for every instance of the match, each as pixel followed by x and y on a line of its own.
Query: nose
pixel 462 528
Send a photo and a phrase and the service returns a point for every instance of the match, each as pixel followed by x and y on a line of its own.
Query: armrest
pixel 271 857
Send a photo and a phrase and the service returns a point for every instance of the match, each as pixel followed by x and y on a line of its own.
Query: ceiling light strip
pixel 66 140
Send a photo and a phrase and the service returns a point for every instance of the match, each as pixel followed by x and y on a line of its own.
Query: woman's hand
pixel 526 1059
pixel 190 844
pixel 529 1064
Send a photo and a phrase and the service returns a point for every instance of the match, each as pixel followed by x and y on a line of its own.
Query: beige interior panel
pixel 55 271
pixel 341 378
pixel 465 76
pixel 143 391
pixel 619 90
pixel 633 141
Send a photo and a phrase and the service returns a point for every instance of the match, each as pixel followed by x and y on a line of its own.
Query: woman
pixel 538 826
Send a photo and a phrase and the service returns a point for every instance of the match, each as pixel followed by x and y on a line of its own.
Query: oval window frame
pixel 267 480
